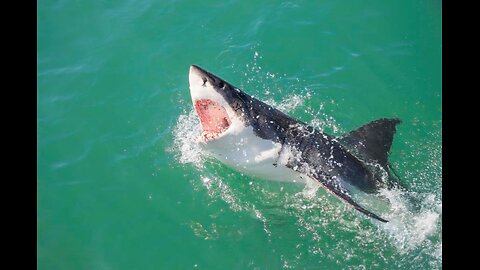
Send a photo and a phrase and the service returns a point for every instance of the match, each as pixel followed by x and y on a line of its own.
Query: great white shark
pixel 259 140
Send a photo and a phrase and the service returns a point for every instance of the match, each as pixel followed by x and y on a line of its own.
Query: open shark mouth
pixel 213 118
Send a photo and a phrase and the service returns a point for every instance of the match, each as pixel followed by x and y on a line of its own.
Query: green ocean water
pixel 122 185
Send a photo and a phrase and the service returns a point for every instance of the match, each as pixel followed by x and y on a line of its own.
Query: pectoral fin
pixel 335 187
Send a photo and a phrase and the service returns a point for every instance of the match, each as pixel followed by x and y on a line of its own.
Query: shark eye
pixel 221 85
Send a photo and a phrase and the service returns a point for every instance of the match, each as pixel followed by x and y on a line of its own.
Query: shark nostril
pixel 204 81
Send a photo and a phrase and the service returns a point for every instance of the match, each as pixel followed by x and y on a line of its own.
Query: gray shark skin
pixel 359 158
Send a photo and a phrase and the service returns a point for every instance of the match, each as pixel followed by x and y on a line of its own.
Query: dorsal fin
pixel 372 141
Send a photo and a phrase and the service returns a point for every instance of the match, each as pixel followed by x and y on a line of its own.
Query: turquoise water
pixel 121 185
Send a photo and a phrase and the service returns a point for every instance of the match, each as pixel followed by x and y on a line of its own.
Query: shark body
pixel 259 140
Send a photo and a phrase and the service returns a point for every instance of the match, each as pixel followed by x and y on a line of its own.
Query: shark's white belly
pixel 252 155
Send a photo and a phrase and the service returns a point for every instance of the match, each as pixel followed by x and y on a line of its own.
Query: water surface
pixel 121 185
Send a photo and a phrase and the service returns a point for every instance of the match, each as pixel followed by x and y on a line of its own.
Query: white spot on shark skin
pixel 269 153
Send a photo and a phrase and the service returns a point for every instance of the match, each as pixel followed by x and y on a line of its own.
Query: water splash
pixel 218 189
pixel 288 104
pixel 408 228
pixel 185 134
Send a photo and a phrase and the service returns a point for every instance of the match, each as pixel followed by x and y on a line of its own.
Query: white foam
pixel 409 228
pixel 288 104
pixel 185 137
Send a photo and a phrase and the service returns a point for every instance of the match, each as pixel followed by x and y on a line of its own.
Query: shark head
pixel 223 109
pixel 216 103
pixel 238 129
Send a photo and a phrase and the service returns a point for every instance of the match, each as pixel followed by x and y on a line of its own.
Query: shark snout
pixel 197 77
pixel 201 77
